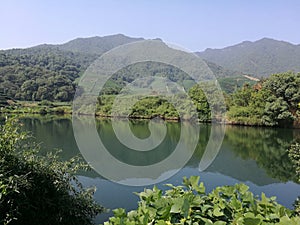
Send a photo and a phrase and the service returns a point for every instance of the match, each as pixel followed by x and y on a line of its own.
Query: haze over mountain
pixel 260 58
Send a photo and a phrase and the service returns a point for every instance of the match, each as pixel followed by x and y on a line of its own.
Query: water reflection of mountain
pixel 257 155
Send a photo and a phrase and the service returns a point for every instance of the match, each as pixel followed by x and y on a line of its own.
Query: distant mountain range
pixel 51 71
pixel 260 58
pixel 94 45
pixel 86 50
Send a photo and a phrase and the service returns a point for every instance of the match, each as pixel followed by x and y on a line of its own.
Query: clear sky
pixel 194 25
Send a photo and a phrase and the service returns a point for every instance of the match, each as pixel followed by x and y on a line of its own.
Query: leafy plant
pixel 189 204
pixel 294 154
pixel 36 189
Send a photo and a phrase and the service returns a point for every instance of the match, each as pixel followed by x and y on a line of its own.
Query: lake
pixel 252 155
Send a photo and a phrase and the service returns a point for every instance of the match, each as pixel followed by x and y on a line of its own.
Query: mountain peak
pixel 260 58
pixel 97 45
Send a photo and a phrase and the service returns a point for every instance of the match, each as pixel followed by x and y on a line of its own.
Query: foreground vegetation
pixel 42 190
pixel 190 204
pixel 36 189
pixel 294 154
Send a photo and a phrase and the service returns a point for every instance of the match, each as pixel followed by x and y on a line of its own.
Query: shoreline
pixel 65 109
pixel 168 119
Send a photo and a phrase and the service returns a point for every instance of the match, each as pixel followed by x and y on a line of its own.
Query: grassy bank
pixel 42 107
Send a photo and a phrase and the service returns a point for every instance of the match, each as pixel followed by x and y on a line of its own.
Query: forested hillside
pixel 41 73
pixel 50 72
pixel 260 58
pixel 96 45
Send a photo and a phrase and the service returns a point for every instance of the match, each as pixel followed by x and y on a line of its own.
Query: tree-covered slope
pixel 96 45
pixel 260 58
pixel 41 73
pixel 50 72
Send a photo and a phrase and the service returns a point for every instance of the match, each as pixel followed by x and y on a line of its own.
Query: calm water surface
pixel 255 156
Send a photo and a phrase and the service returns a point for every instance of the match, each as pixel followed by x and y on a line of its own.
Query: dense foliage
pixel 36 189
pixel 294 154
pixel 274 101
pixel 41 73
pixel 190 204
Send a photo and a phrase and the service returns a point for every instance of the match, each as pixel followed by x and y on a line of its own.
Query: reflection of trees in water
pixel 52 132
pixel 205 130
pixel 268 147
pixel 133 157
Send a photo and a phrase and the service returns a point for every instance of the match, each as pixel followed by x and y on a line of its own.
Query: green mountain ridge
pixel 259 58
pixel 50 72
pixel 96 45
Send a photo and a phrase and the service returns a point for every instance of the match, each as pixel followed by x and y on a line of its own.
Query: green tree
pixel 199 99
pixel 37 189
pixel 294 154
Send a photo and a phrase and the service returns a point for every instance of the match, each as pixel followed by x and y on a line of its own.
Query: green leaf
pixel 207 221
pixel 205 207
pixel 217 212
pixel 237 205
pixel 185 207
pixel 251 219
pixel 119 212
pixel 220 223
pixel 176 207
pixel 243 188
pixel 161 222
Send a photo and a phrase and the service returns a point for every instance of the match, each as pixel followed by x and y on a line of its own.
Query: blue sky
pixel 194 25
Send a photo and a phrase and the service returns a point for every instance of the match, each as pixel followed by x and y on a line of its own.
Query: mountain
pixel 260 58
pixel 220 71
pixel 50 72
pixel 96 45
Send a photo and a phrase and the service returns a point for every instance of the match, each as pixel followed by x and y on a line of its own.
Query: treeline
pixel 41 73
pixel 274 101
pixel 48 73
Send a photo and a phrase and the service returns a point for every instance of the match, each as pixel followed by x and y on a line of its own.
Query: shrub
pixel 37 189
pixel 189 204
pixel 294 154
pixel 46 103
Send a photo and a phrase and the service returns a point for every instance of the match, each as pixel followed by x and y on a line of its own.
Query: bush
pixel 189 204
pixel 37 189
pixel 46 103
pixel 294 154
